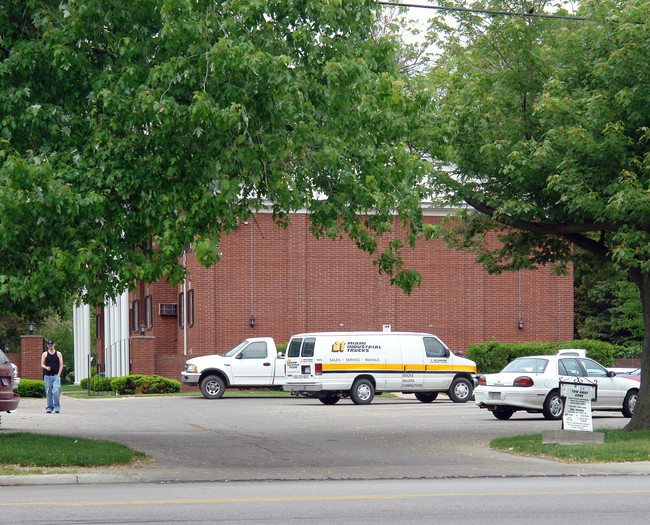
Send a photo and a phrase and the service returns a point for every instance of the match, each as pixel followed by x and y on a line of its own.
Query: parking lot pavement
pixel 244 438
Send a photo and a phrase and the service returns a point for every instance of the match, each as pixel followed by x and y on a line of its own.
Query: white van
pixel 331 365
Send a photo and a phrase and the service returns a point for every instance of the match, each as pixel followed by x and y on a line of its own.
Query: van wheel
pixel 630 403
pixel 553 406
pixel 212 387
pixel 426 397
pixel 330 399
pixel 362 392
pixel 460 390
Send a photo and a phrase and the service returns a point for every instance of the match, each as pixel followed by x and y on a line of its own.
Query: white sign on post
pixel 577 406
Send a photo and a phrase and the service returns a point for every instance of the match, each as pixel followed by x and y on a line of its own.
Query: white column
pixel 81 334
pixel 124 335
pixel 116 336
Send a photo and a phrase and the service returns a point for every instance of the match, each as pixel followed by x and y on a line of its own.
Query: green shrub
pixel 629 350
pixel 31 388
pixel 493 356
pixel 97 384
pixel 142 384
pixel 281 348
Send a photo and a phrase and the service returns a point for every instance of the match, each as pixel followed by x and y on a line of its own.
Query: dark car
pixel 8 400
pixel 635 374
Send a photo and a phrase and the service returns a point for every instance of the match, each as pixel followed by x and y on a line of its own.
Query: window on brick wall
pixel 148 311
pixel 135 316
pixel 180 310
pixel 190 308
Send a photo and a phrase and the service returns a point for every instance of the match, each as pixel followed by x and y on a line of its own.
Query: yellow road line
pixel 315 498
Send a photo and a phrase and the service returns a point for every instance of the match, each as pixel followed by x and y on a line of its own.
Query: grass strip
pixel 619 447
pixel 25 449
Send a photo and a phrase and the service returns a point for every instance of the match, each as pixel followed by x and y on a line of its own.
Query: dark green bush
pixel 142 384
pixel 493 356
pixel 31 388
pixel 281 348
pixel 97 384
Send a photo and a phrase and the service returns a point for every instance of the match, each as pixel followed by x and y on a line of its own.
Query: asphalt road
pixel 246 438
pixel 542 500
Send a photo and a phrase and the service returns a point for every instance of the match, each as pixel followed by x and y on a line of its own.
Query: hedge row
pixel 133 384
pixel 492 357
pixel 31 388
pixel 97 384
pixel 139 384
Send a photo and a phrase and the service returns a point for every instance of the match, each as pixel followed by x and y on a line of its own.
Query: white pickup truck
pixel 254 362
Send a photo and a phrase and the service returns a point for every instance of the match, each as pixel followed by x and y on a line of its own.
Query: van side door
pixel 438 375
pixel 412 363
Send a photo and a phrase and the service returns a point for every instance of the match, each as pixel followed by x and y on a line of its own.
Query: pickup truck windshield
pixel 232 352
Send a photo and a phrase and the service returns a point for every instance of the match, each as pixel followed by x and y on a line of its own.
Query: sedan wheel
pixel 503 412
pixel 553 406
pixel 630 403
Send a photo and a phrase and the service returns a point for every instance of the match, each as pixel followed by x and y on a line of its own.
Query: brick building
pixel 276 282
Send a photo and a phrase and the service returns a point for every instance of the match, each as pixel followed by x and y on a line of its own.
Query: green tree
pixel 130 130
pixel 607 307
pixel 546 126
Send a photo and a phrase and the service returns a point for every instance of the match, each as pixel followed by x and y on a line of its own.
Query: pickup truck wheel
pixel 426 397
pixel 362 392
pixel 460 390
pixel 212 387
pixel 330 399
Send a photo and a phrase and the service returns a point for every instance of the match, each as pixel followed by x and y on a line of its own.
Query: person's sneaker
pixel 56 411
pixel 48 411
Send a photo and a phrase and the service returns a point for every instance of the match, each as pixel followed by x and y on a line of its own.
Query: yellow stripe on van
pixel 338 367
pixel 454 368
pixel 333 367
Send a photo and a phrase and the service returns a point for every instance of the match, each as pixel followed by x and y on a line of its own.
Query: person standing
pixel 52 364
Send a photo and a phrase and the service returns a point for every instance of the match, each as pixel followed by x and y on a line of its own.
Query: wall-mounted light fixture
pixel 520 325
pixel 142 328
pixel 252 321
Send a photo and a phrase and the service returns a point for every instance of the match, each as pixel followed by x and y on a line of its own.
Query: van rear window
pixel 294 348
pixel 308 347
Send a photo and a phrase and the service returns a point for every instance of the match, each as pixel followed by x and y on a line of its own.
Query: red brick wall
pixel 142 355
pixel 302 284
pixel 31 352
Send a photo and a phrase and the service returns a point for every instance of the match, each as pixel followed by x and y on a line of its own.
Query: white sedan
pixel 532 384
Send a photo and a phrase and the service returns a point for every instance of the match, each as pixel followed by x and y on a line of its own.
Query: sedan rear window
pixel 528 365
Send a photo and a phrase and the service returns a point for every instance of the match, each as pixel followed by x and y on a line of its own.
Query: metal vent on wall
pixel 168 309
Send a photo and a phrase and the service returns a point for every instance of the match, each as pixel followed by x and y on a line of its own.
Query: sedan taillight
pixel 482 381
pixel 523 381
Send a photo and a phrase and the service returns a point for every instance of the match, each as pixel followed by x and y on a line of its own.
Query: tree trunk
pixel 641 418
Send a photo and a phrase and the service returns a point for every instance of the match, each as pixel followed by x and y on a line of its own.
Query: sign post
pixel 578 396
